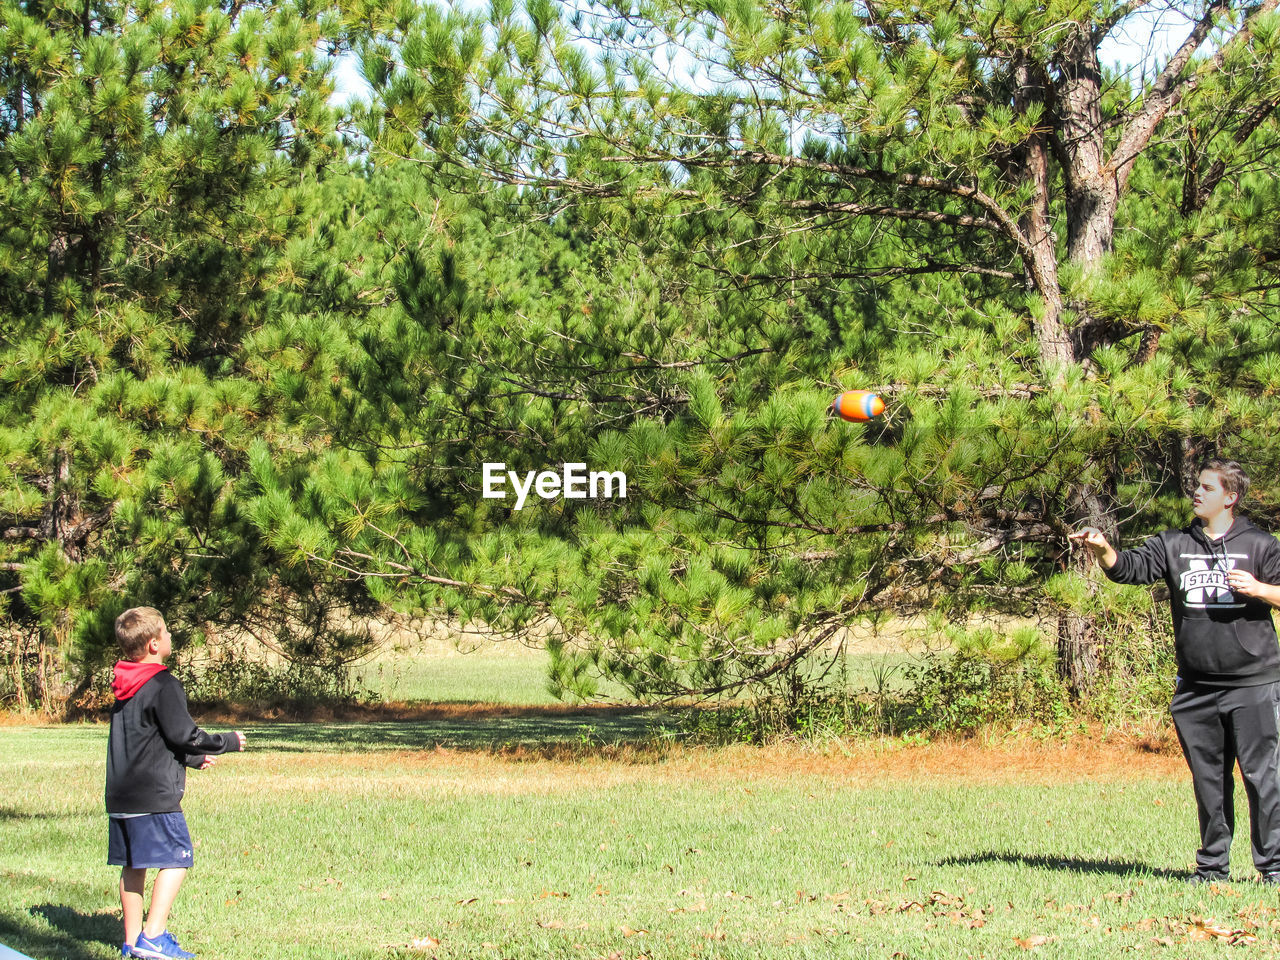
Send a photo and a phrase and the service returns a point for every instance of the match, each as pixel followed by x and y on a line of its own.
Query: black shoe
pixel 1199 879
pixel 1271 879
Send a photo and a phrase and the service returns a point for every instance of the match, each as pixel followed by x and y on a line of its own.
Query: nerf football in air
pixel 858 406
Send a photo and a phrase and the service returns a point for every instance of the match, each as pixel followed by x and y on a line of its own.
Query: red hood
pixel 130 676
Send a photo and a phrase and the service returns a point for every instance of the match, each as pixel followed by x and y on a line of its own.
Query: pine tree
pixel 1075 258
pixel 154 160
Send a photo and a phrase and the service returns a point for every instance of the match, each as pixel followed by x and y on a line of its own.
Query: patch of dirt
pixel 569 766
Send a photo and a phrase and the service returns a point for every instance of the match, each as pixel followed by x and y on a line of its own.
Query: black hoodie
pixel 152 741
pixel 1221 639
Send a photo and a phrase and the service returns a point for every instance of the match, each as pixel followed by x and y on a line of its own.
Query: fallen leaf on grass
pixel 552 893
pixel 468 902
pixel 1194 929
pixel 551 924
pixel 691 908
pixel 627 932
pixel 423 944
pixel 1033 941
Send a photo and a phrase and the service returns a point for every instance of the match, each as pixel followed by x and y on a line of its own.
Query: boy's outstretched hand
pixel 1096 541
pixel 240 737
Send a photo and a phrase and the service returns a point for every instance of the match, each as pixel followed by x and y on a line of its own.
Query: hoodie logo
pixel 1204 582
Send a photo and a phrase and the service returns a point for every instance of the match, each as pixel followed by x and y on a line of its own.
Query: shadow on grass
pixel 521 730
pixel 13 813
pixel 75 935
pixel 1119 868
pixel 99 927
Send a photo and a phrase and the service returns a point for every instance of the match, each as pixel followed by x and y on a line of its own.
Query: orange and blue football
pixel 858 406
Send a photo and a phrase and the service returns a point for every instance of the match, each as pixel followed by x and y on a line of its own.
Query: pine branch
pixel 1170 87
pixel 757 279
pixel 999 219
pixel 1118 16
pixel 406 572
pixel 1019 391
pixel 895 213
pixel 85 528
pixel 1196 198
pixel 988 546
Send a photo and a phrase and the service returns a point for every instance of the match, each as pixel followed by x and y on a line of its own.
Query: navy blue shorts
pixel 152 840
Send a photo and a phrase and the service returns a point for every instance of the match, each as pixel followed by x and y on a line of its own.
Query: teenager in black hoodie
pixel 1227 703
pixel 152 742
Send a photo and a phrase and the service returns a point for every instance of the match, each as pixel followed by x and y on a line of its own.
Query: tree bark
pixel 1031 165
pixel 1078 658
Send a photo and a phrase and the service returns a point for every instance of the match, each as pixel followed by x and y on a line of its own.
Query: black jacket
pixel 152 741
pixel 1221 639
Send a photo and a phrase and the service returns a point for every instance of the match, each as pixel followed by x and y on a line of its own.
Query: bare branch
pixel 1118 16
pixel 1171 86
pixel 897 213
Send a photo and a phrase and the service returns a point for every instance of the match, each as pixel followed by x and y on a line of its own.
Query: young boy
pixel 152 741
pixel 1227 703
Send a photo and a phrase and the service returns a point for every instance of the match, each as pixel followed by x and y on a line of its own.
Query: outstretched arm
pixel 180 731
pixel 1096 541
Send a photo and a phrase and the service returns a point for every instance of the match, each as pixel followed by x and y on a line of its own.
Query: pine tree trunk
pixel 43 691
pixel 57 526
pixel 1079 661
pixel 1092 199
pixel 1077 650
pixel 18 671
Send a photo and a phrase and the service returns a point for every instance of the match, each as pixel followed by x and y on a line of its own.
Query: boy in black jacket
pixel 152 741
pixel 1227 703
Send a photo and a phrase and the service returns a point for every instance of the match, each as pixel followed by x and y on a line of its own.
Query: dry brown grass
pixel 569 767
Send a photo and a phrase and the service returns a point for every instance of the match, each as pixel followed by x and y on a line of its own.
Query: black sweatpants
pixel 1216 727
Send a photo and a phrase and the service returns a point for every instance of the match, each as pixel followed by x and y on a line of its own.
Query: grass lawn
pixel 512 673
pixel 369 840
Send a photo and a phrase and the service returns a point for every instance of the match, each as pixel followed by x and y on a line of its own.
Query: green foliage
pixel 251 379
pixel 832 197
pixel 246 681
pixel 154 160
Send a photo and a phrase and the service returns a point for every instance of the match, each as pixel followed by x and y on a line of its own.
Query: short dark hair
pixel 137 627
pixel 1234 479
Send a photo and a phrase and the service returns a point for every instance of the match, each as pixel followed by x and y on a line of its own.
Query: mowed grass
pixel 369 841
pixel 512 673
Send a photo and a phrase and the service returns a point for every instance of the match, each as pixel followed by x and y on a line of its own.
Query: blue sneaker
pixel 126 950
pixel 163 947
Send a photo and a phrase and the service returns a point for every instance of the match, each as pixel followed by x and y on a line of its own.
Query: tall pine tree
pixel 1057 247
pixel 155 159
